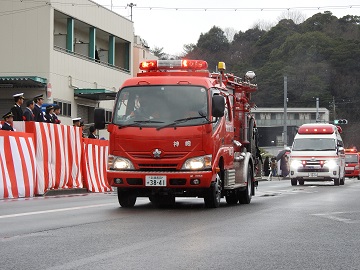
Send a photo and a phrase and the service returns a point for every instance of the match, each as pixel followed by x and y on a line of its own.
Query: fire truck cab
pixel 317 154
pixel 352 163
pixel 178 130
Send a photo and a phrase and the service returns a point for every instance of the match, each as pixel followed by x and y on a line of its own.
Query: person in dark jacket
pixel 267 166
pixel 38 113
pixel 8 118
pixel 92 131
pixel 28 112
pixel 49 114
pixel 16 109
pixel 56 113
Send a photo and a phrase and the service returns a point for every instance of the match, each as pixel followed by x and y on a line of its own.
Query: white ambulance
pixel 317 154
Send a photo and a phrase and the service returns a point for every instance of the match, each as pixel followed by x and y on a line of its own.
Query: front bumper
pixel 315 176
pixel 174 180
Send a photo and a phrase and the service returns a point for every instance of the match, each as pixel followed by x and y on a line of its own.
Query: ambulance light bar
pixel 152 65
pixel 316 129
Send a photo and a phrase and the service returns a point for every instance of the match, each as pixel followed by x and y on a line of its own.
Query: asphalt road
pixel 316 226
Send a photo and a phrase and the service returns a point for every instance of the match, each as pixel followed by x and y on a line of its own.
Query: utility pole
pixel 131 5
pixel 317 109
pixel 285 112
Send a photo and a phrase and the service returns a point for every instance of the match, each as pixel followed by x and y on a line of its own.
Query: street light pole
pixel 131 5
pixel 317 110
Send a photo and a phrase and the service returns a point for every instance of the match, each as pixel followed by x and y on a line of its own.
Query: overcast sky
pixel 171 24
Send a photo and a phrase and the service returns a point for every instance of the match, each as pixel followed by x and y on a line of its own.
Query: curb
pixel 70 191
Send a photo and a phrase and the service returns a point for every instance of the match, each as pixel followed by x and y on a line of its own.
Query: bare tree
pixel 263 25
pixel 296 16
pixel 230 33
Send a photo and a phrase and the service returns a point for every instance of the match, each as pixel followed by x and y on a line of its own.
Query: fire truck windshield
pixel 351 158
pixel 314 144
pixel 154 106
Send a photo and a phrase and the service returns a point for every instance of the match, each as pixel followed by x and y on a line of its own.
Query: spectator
pixel 8 118
pixel 16 109
pixel 77 122
pixel 49 114
pixel 92 131
pixel 284 166
pixel 28 112
pixel 267 166
pixel 57 111
pixel 38 113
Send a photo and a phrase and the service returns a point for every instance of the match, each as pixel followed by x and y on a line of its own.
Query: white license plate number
pixel 349 168
pixel 155 181
pixel 313 174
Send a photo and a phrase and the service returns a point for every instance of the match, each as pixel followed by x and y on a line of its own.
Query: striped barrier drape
pixel 17 165
pixel 94 165
pixel 58 155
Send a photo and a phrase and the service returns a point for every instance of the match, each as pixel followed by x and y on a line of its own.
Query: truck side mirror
pixel 341 150
pixel 99 118
pixel 218 106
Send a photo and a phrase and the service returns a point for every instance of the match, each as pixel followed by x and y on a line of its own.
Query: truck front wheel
pixel 126 198
pixel 293 181
pixel 213 194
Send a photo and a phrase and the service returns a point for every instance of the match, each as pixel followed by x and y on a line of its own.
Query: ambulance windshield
pixel 314 144
pixel 154 106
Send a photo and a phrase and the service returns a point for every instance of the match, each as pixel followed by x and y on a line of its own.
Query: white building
pixel 76 53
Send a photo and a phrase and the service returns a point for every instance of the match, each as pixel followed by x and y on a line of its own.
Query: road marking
pixel 55 210
pixel 333 216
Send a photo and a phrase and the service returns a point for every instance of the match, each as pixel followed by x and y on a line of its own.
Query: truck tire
pixel 127 199
pixel 293 181
pixel 245 196
pixel 213 194
pixel 232 198
pixel 342 181
pixel 336 181
pixel 301 182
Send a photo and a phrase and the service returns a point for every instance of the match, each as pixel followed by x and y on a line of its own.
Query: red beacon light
pixel 351 150
pixel 153 65
pixel 307 129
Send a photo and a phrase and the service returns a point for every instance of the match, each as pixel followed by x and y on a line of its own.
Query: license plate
pixel 349 168
pixel 313 174
pixel 155 181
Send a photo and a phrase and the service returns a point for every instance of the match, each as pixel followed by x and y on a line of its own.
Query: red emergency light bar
pixel 152 65
pixel 318 129
pixel 351 150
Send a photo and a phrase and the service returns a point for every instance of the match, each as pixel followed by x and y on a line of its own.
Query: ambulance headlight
pixel 198 163
pixel 331 164
pixel 119 163
pixel 295 163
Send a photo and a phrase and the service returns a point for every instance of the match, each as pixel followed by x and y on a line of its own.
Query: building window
pixel 108 116
pixel 65 108
pixel 273 116
pixel 313 116
pixel 296 116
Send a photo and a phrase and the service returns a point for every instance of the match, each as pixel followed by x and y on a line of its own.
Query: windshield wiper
pixel 138 123
pixel 182 120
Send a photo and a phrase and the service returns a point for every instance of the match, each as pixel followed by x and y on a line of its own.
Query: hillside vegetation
pixel 320 57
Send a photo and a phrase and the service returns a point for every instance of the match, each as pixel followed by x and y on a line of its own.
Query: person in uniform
pixel 49 114
pixel 56 113
pixel 38 113
pixel 92 131
pixel 8 118
pixel 77 122
pixel 28 112
pixel 16 109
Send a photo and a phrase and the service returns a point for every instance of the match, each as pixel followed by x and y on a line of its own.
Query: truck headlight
pixel 331 164
pixel 198 163
pixel 119 163
pixel 294 164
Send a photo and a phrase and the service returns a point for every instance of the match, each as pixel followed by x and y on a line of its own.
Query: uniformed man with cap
pixel 28 112
pixel 16 109
pixel 8 118
pixel 49 114
pixel 38 113
pixel 77 122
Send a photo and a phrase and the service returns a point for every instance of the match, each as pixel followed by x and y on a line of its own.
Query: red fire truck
pixel 352 163
pixel 178 130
